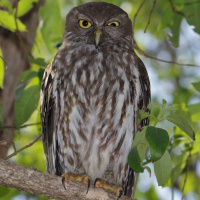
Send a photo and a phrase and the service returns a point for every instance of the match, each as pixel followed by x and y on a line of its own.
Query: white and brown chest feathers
pixel 90 98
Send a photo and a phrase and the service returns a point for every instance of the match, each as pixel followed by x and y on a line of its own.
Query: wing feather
pixel 48 118
pixel 145 94
pixel 144 100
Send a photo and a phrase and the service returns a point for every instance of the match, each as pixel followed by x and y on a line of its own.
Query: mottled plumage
pixel 91 94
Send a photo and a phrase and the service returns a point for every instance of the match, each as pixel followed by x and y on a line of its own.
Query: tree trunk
pixel 15 55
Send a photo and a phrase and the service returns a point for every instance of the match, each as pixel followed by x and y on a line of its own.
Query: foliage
pixel 168 144
pixel 157 140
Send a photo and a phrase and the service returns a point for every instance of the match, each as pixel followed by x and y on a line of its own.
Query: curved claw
pixel 88 185
pixel 97 179
pixel 120 194
pixel 63 182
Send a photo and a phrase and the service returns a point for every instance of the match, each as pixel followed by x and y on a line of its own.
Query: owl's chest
pixel 96 105
pixel 95 89
pixel 97 83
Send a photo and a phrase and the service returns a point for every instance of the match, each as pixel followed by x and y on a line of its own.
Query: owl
pixel 91 95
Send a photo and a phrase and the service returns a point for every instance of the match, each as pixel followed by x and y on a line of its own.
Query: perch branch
pixel 35 182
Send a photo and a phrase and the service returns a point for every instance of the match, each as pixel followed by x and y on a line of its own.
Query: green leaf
pixel 158 140
pixel 19 90
pixel 175 29
pixel 161 111
pixel 26 105
pixel 27 75
pixel 142 115
pixel 138 152
pixel 40 74
pixel 24 6
pixel 172 20
pixel 38 61
pixel 164 112
pixel 182 123
pixel 52 29
pixel 163 168
pixel 148 169
pixel 192 14
pixel 134 160
pixel 164 102
pixel 196 86
pixel 141 143
pixel 194 108
pixel 4 191
pixel 6 4
pixel 1 70
pixel 7 21
pixel 179 166
pixel 167 17
pixel 24 78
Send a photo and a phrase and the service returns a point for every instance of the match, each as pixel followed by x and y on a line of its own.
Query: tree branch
pixel 154 3
pixel 140 51
pixel 35 182
pixel 21 149
pixel 24 126
pixel 175 9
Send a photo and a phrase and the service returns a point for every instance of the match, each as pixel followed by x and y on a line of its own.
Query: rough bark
pixel 35 182
pixel 15 55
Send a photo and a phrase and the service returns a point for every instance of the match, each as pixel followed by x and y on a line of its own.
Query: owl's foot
pixel 81 178
pixel 103 184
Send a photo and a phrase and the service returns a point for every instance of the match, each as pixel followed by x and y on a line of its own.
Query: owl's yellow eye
pixel 84 23
pixel 115 23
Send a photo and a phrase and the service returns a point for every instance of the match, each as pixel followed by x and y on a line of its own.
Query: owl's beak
pixel 97 37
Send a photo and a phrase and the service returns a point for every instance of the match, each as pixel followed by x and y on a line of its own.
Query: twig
pixel 5 63
pixel 175 9
pixel 25 147
pixel 14 147
pixel 145 54
pixel 7 142
pixel 24 126
pixel 16 9
pixel 136 14
pixel 154 3
pixel 186 174
pixel 158 59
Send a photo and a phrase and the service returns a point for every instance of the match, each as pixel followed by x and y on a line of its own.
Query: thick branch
pixel 35 182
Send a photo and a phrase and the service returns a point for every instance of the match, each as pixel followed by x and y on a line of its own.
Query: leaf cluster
pixel 157 141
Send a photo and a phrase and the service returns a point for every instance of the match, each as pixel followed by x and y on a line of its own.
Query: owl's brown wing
pixel 145 94
pixel 144 100
pixel 48 118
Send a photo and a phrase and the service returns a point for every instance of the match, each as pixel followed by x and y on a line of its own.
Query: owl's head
pixel 99 23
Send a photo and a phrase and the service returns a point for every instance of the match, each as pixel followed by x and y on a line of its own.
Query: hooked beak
pixel 97 37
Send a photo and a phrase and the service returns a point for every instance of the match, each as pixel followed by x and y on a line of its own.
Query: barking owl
pixel 91 94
